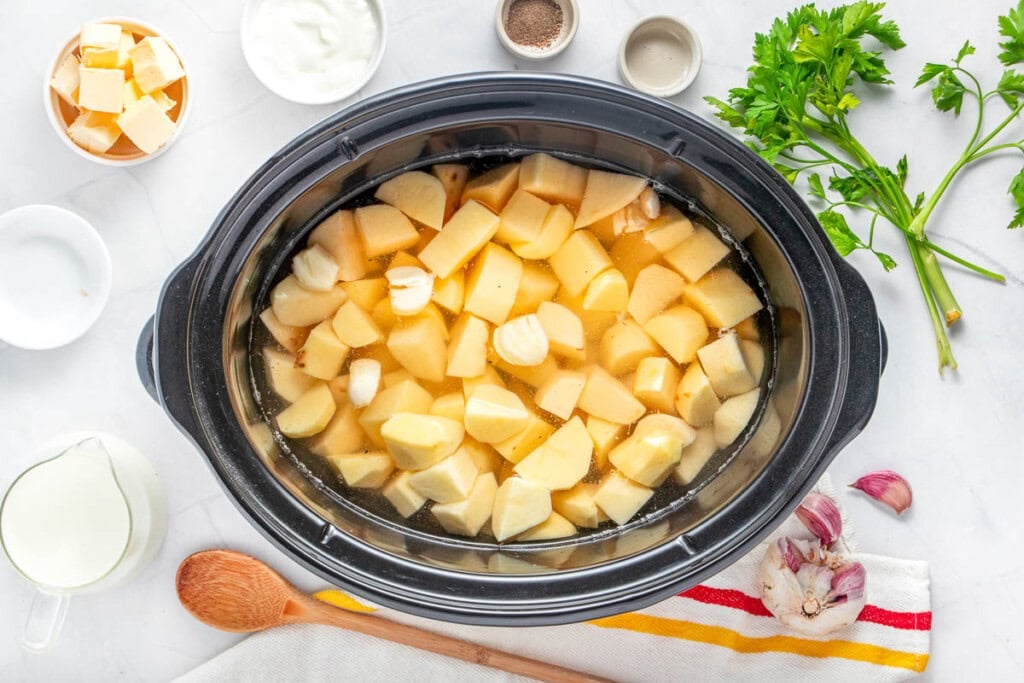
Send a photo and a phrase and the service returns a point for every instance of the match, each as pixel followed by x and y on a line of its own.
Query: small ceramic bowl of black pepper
pixel 536 29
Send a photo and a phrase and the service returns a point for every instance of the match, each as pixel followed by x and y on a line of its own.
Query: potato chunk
pixel 366 292
pixel 554 231
pixel 560 393
pixel 609 399
pixel 338 235
pixel 620 497
pixel 609 291
pixel 563 328
pixel 722 297
pixel 363 469
pixel 578 506
pixel 418 441
pixel 404 397
pixel 453 178
pixel 467 350
pixel 300 307
pixel 467 517
pixel 384 229
pixel 449 480
pixel 726 367
pixel 656 287
pixel 494 414
pixel 605 436
pixel 668 230
pixel 555 526
pixel 452 406
pixel 579 261
pixel 402 495
pixel 696 400
pixel 342 435
pixel 653 449
pixel 734 415
pixel 681 331
pixel 492 284
pixel 462 237
pixel 418 343
pixel 355 327
pixel 536 286
pixel 695 456
pixel 418 195
pixel 450 293
pixel 287 381
pixel 522 218
pixel 606 193
pixel 624 345
pixel 518 505
pixel 492 189
pixel 553 179
pixel 698 254
pixel 323 354
pixel 655 383
pixel 562 461
pixel 517 447
pixel 290 337
pixel 309 414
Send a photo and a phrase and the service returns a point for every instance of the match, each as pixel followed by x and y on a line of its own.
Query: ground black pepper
pixel 535 23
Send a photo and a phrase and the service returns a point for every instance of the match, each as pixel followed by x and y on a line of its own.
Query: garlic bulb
pixel 809 588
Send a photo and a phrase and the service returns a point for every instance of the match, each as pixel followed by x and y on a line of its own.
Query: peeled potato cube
pixel 734 415
pixel 655 383
pixel 295 305
pixel 605 436
pixel 418 195
pixel 323 354
pixel 560 393
pixel 656 287
pixel 490 377
pixel 554 231
pixel 536 286
pixel 653 450
pixel 366 292
pixel 355 327
pixel 768 431
pixel 722 297
pixel 309 414
pixel 553 179
pixel 418 343
pixel 449 480
pixel 517 447
pixel 681 331
pixel 384 229
pixel 342 435
pixel 726 367
pixel 562 461
pixel 607 292
pixel 315 269
pixel 695 456
pixel 624 345
pixel 484 457
pixel 467 350
pixel 418 441
pixel 363 469
pixel 606 193
pixel 668 230
pixel 492 283
pixel 578 261
pixel 555 526
pixel 402 495
pixel 563 328
pixel 492 189
pixel 452 406
pixel 290 337
pixel 518 505
pixel 453 179
pixel 450 292
pixel 339 236
pixel 577 505
pixel 698 254
pixel 522 218
pixel 747 329
pixel 753 354
pixel 494 414
pixel 696 400
pixel 609 399
pixel 467 517
pixel 462 237
pixel 620 497
pixel 286 380
pixel 404 397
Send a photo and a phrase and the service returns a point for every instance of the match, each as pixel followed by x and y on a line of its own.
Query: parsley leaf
pixel 842 237
pixel 1011 27
pixel 1017 192
pixel 948 92
pixel 967 49
pixel 1011 87
pixel 814 181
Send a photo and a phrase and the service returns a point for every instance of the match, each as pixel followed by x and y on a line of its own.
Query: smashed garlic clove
pixel 521 341
pixel 649 203
pixel 410 288
pixel 363 381
pixel 315 269
pixel 886 487
pixel 820 515
pixel 636 220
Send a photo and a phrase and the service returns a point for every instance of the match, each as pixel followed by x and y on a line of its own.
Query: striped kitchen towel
pixel 716 631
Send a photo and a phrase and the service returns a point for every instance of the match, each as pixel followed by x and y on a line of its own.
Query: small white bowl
pixel 570 22
pixel 54 276
pixel 660 56
pixel 264 76
pixel 123 153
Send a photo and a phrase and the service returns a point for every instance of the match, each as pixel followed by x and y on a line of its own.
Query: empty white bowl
pixel 54 276
pixel 660 56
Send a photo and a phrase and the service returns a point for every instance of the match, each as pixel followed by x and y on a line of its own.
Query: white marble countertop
pixel 956 438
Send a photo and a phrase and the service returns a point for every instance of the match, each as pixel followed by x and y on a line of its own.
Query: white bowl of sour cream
pixel 313 51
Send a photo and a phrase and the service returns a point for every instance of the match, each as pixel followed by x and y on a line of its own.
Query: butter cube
pixel 562 461
pixel 402 495
pixel 450 292
pixel 734 415
pixel 668 230
pixel 605 436
pixel 623 346
pixel 726 367
pixel 65 80
pixel 518 505
pixel 517 447
pixel 99 35
pixel 522 218
pixel 418 343
pixel 146 124
pixel 132 93
pixel 363 469
pixel 468 516
pixel 366 292
pixel 467 351
pixel 681 331
pixel 655 383
pixel 609 399
pixel 555 526
pixel 124 49
pixel 383 229
pixel 722 297
pixel 95 131
pixel 554 231
pixel 553 179
pixel 492 283
pixel 448 481
pixel 162 100
pixel 578 261
pixel 323 354
pixel 339 236
pixel 696 400
pixel 695 456
pixel 655 288
pixel 631 253
pixel 285 379
pixel 536 286
pixel 609 291
pixel 620 497
pixel 99 58
pixel 577 505
pixel 650 454
pixel 404 397
pixel 492 189
pixel 310 414
pixel 154 63
pixel 698 254
pixel 101 89
pixel 563 328
pixel 342 435
pixel 290 337
pixel 460 239
pixel 494 414
pixel 560 393
pixel 418 441
pixel 452 406
pixel 355 327
pixel 484 457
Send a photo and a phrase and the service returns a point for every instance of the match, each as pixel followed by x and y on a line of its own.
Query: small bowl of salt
pixel 537 29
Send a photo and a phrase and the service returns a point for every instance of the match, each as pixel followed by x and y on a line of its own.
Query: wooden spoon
pixel 235 592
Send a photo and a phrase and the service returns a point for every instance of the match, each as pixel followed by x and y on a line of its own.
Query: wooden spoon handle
pixel 314 611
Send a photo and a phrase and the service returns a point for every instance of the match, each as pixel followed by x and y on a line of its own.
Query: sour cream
pixel 313 51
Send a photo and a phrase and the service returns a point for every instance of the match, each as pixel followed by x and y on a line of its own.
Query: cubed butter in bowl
pixel 117 92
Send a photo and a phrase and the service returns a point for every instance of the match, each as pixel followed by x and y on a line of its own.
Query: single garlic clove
pixel 315 269
pixel 521 341
pixel 410 288
pixel 886 487
pixel 821 517
pixel 650 205
pixel 636 220
pixel 363 381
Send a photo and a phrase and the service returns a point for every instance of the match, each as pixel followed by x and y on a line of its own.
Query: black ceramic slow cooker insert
pixel 825 348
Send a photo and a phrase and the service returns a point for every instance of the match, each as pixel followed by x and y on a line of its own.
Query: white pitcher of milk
pixel 86 519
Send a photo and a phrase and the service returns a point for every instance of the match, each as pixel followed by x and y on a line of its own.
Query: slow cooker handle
pixel 144 358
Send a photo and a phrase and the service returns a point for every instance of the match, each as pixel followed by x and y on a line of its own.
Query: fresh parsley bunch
pixel 796 106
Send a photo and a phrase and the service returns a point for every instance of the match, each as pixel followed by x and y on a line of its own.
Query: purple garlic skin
pixel 886 487
pixel 820 515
